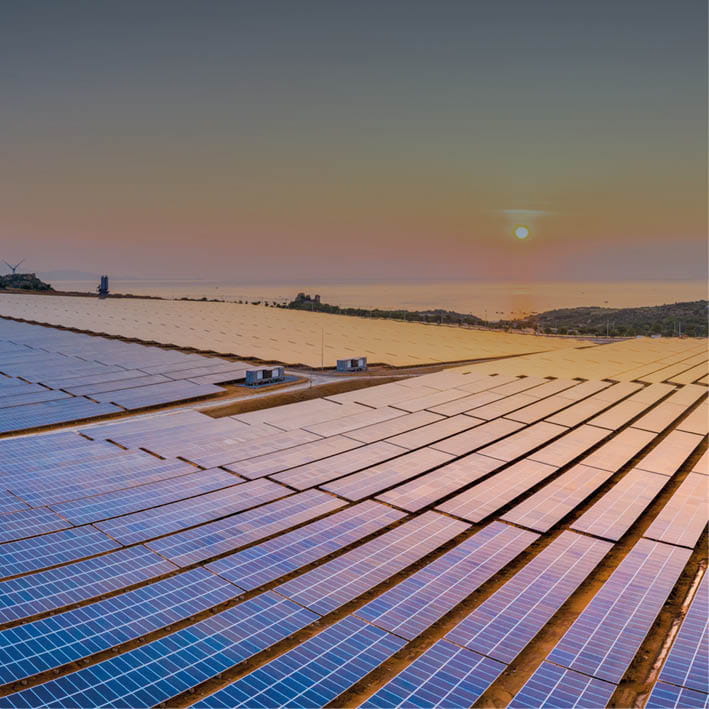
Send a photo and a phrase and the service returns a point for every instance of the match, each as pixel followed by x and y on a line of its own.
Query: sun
pixel 521 231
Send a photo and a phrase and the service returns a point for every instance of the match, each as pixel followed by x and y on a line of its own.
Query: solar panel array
pixel 50 376
pixel 408 543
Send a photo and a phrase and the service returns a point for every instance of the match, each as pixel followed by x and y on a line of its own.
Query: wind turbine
pixel 15 267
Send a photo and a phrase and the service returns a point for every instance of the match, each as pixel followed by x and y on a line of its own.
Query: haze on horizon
pixel 394 140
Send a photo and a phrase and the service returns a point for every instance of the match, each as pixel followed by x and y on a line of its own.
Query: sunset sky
pixel 393 139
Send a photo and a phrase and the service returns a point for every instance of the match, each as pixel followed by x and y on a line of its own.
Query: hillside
pixel 671 319
pixel 668 320
pixel 23 281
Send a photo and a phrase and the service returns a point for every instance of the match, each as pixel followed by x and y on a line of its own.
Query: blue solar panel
pixel 52 412
pixel 379 477
pixel 503 624
pixel 93 478
pixel 264 562
pixel 429 488
pixel 140 497
pixel 11 503
pixel 314 673
pixel 444 676
pixel 154 673
pixel 51 642
pixel 688 662
pixel 321 471
pixel 554 687
pixel 51 549
pixel 667 696
pixel 605 637
pixel 47 590
pixel 414 604
pixel 554 501
pixel 329 586
pixel 618 509
pixel 243 528
pixel 26 523
pixel 139 526
pixel 154 394
pixel 683 519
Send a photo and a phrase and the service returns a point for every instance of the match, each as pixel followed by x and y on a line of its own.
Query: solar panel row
pixel 154 673
pixel 414 604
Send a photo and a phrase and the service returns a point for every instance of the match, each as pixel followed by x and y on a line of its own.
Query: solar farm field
pixel 289 336
pixel 49 376
pixel 511 533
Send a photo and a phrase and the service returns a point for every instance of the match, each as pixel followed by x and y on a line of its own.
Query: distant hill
pixel 23 281
pixel 449 317
pixel 665 320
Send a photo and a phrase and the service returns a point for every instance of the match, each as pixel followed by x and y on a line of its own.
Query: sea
pixel 490 301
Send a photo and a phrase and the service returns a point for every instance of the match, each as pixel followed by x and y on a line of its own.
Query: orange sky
pixel 369 140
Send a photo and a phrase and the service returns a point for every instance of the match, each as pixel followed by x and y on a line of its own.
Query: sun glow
pixel 521 231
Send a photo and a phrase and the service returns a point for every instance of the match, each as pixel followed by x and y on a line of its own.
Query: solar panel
pixel 553 686
pixel 495 492
pixel 571 445
pixel 207 454
pixel 154 394
pixel 612 515
pixel 542 510
pixel 237 530
pixel 429 488
pixel 506 622
pixel 697 422
pixel 660 417
pixel 620 449
pixel 291 457
pixel 55 641
pixel 52 412
pixel 444 676
pixel 414 604
pixel 687 665
pixel 619 414
pixel 51 549
pixel 380 477
pixel 23 523
pixel 605 637
pixel 477 437
pixel 93 478
pixel 154 673
pixel 353 421
pixel 334 583
pixel 140 497
pixel 669 454
pixel 428 400
pixel 336 466
pixel 314 673
pixel 265 562
pixel 667 696
pixel 683 519
pixel 500 405
pixel 522 442
pixel 47 590
pixel 702 465
pixel 434 432
pixel 114 385
pixel 140 526
pixel 392 427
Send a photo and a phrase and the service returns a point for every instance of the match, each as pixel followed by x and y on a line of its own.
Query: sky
pixel 377 139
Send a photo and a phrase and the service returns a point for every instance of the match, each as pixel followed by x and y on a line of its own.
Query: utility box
pixel 260 377
pixel 359 364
